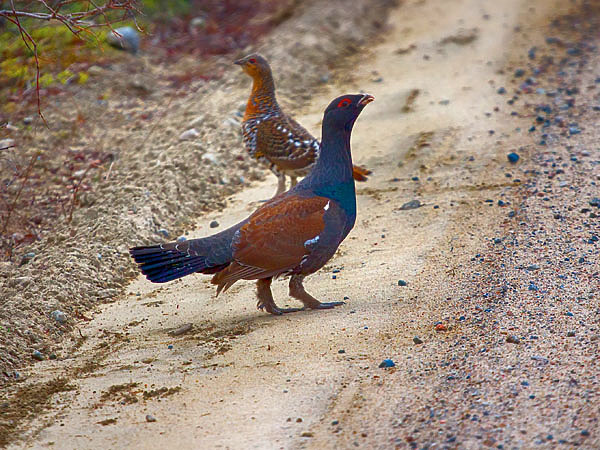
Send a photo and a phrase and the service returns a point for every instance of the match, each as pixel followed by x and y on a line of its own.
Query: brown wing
pixel 285 143
pixel 275 239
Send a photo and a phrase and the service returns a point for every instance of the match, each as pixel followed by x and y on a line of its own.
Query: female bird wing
pixel 285 143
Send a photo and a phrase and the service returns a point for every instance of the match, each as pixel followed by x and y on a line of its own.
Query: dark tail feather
pixel 161 264
pixel 167 262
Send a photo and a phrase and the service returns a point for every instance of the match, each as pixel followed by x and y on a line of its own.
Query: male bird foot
pixel 297 291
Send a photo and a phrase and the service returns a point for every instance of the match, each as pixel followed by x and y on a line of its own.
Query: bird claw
pixel 289 310
pixel 276 311
pixel 328 305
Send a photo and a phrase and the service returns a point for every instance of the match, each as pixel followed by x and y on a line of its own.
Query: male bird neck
pixel 332 175
pixel 335 159
pixel 262 98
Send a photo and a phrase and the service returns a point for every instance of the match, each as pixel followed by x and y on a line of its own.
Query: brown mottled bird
pixel 274 138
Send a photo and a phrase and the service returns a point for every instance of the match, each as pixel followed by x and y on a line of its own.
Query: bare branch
pixel 82 19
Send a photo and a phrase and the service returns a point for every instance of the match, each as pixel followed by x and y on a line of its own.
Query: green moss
pixel 46 80
pixel 64 76
pixel 14 68
pixel 57 48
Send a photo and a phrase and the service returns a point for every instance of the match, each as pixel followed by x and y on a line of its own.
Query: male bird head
pixel 343 111
pixel 255 65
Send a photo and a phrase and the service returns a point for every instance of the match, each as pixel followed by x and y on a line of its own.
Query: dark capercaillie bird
pixel 271 136
pixel 293 234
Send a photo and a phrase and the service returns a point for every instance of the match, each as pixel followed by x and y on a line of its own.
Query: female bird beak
pixel 367 98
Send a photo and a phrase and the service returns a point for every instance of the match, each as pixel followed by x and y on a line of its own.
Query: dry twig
pixel 82 18
pixel 18 194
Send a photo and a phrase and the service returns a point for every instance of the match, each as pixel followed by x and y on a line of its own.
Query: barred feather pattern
pixel 280 143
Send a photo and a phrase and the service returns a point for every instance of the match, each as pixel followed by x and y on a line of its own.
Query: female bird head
pixel 343 111
pixel 255 65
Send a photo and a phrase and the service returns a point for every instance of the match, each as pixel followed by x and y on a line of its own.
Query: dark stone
pixel 512 339
pixel 124 38
pixel 387 363
pixel 413 204
pixel 513 157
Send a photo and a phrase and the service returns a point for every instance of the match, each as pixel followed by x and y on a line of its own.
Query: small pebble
pixel 38 355
pixel 124 38
pixel 150 418
pixel 59 316
pixel 512 339
pixel 190 134
pixel 7 143
pixel 387 363
pixel 213 224
pixel 571 333
pixel 181 239
pixel 163 232
pixel 413 204
pixel 27 257
pixel 341 351
pixel 513 157
pixel 181 330
pixel 402 283
pixel 417 340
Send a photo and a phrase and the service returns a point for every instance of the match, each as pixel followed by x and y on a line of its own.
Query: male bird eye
pixel 252 61
pixel 344 102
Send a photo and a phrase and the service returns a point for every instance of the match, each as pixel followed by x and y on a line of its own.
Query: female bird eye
pixel 344 102
pixel 252 61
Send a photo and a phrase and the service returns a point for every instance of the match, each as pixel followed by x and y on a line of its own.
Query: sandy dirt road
pixel 243 379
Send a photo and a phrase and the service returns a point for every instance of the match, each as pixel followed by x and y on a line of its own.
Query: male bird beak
pixel 239 62
pixel 367 98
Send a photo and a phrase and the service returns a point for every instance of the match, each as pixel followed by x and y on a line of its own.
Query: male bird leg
pixel 293 181
pixel 265 298
pixel 297 291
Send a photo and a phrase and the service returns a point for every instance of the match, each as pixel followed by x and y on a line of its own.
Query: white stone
pixel 190 134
